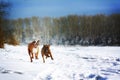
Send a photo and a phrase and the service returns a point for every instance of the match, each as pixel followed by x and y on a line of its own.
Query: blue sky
pixel 57 8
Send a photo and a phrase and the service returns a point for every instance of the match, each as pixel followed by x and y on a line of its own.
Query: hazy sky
pixel 57 8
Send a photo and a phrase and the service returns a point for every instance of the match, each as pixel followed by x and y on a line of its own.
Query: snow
pixel 70 63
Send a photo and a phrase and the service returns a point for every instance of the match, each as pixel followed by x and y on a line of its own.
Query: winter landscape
pixel 84 38
pixel 70 63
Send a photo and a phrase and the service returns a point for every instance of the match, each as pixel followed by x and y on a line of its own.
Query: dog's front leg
pixel 32 56
pixel 36 55
pixel 51 56
pixel 31 59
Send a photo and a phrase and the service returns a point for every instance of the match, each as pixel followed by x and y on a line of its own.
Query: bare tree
pixel 3 13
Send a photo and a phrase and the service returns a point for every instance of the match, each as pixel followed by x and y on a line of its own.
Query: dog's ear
pixel 48 45
pixel 43 45
pixel 38 42
pixel 34 41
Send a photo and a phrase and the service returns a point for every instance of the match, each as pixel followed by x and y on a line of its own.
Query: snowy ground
pixel 70 63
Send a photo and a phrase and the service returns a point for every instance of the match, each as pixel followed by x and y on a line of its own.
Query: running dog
pixel 33 50
pixel 46 52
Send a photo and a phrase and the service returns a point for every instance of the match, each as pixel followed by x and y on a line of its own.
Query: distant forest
pixel 99 29
pixel 67 30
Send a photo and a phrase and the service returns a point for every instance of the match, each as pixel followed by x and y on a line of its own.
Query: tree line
pixel 4 6
pixel 97 29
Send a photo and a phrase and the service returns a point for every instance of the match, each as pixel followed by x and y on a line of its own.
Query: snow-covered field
pixel 70 63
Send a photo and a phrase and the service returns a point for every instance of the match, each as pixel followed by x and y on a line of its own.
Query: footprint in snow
pixel 100 78
pixel 118 59
pixel 109 70
pixel 4 71
pixel 48 77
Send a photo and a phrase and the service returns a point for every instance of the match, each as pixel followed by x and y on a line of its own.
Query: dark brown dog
pixel 46 52
pixel 33 50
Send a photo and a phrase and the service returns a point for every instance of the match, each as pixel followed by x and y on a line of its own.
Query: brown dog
pixel 46 52
pixel 33 50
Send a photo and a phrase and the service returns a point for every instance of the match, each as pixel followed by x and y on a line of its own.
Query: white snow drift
pixel 70 63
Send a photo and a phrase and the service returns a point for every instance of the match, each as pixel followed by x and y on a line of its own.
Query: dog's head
pixel 46 48
pixel 36 43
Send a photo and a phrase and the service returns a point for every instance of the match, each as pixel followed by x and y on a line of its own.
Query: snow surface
pixel 70 63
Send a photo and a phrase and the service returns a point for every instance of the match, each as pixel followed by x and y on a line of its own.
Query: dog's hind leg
pixel 29 52
pixel 43 58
